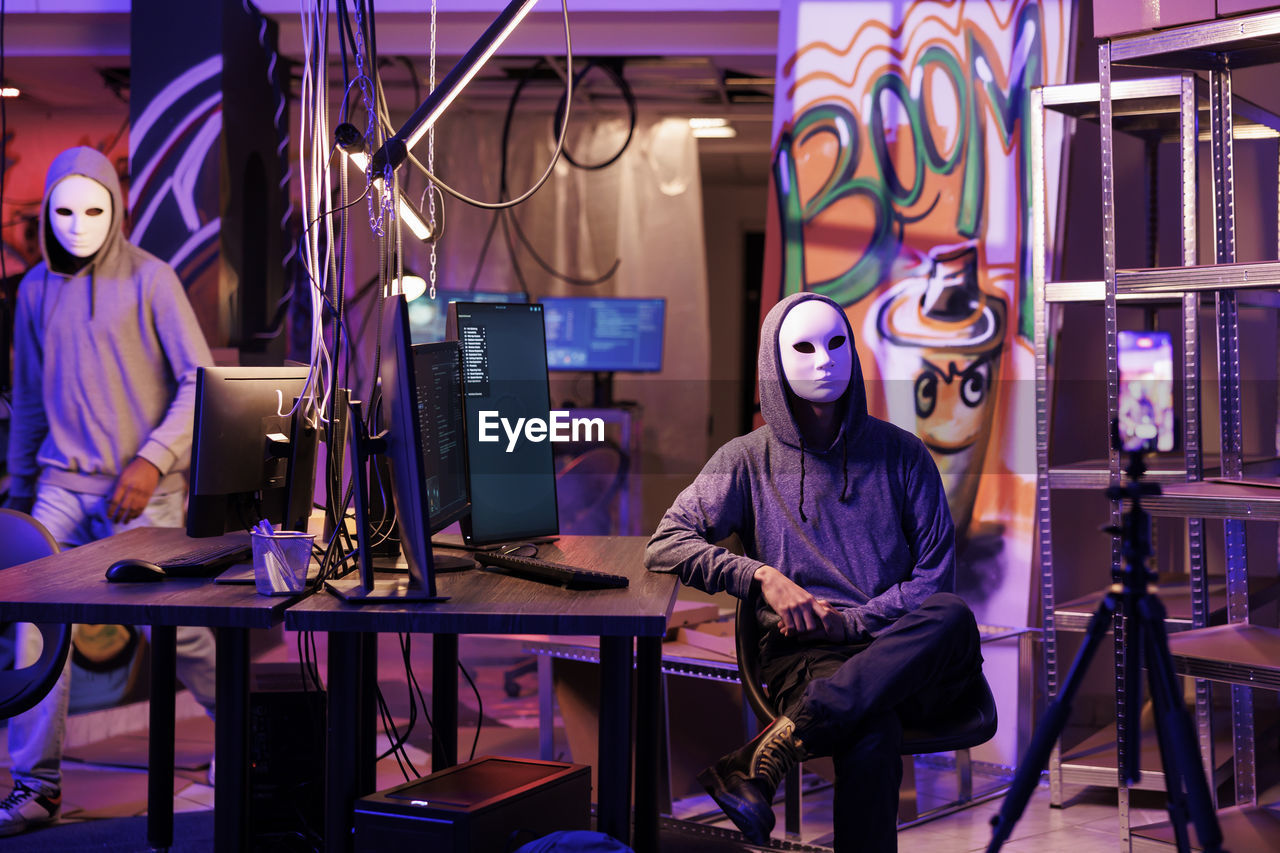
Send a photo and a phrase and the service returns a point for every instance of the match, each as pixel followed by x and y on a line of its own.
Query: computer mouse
pixel 134 570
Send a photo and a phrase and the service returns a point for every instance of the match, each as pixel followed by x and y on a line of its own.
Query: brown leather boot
pixel 744 781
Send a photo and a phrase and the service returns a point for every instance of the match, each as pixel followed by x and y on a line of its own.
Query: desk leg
pixel 613 801
pixel 444 701
pixel 164 661
pixel 649 717
pixel 231 742
pixel 349 755
pixel 546 709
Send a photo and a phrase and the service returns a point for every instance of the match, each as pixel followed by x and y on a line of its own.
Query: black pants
pixel 850 702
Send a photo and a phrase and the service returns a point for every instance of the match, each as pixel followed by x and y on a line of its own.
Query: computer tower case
pixel 489 804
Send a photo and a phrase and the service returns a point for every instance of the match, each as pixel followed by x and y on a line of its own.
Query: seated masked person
pixel 846 533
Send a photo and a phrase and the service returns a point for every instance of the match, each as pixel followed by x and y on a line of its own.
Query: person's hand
pixel 802 616
pixel 132 491
pixel 21 503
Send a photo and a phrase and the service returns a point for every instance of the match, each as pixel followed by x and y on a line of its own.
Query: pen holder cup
pixel 280 561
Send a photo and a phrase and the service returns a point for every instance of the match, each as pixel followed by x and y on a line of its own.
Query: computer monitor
pixel 604 335
pixel 504 382
pixel 427 317
pixel 426 451
pixel 252 456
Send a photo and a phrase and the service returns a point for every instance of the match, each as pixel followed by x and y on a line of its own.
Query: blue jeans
pixel 75 518
pixel 850 701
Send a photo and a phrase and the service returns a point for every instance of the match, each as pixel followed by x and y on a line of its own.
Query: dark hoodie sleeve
pixel 929 531
pixel 716 505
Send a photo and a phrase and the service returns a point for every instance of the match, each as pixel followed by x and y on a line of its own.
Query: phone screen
pixel 1146 391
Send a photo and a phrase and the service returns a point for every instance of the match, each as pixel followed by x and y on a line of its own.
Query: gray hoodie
pixel 105 357
pixel 863 523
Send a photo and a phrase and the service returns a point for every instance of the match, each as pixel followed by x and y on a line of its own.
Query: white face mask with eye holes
pixel 80 215
pixel 817 355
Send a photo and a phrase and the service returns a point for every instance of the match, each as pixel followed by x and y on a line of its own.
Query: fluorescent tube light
pixel 396 149
pixel 408 213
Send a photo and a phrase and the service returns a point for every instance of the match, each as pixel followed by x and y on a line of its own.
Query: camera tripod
pixel 1130 593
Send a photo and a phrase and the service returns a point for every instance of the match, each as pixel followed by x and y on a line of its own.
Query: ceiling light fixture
pixel 412 286
pixel 9 92
pixel 725 132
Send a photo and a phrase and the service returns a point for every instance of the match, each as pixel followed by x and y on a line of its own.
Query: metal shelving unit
pixel 1209 632
pixel 1159 109
pixel 1221 653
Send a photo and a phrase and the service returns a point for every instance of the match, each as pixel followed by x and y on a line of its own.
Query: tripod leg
pixel 1131 757
pixel 1050 728
pixel 1184 770
pixel 1175 789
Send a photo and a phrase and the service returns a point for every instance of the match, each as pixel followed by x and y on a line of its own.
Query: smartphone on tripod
pixel 1146 421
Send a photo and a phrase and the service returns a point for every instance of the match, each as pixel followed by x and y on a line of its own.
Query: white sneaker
pixel 25 808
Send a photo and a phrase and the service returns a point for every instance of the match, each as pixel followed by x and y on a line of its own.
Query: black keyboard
pixel 545 571
pixel 205 559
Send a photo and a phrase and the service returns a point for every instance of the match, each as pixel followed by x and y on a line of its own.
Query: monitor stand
pixel 383 591
pixel 602 389
pixel 365 589
pixel 440 561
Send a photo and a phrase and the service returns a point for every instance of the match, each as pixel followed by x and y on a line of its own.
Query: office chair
pixel 23 539
pixel 972 722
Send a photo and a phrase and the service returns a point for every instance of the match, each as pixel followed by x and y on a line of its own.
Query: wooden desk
pixel 71 587
pixel 483 602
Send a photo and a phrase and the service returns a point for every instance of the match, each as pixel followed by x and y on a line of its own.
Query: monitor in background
pixel 250 457
pixel 427 316
pixel 424 444
pixel 603 335
pixel 504 380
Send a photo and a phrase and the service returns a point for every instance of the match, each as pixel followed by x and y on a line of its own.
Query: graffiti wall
pixel 900 188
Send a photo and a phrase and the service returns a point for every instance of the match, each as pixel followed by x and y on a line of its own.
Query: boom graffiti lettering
pixel 893 183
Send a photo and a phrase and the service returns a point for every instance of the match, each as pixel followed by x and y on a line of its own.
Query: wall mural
pixel 174 151
pixel 901 189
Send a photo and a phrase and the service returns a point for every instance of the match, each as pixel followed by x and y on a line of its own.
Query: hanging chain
pixel 384 202
pixel 431 156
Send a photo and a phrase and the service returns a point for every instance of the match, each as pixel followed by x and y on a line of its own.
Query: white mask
pixel 80 215
pixel 817 355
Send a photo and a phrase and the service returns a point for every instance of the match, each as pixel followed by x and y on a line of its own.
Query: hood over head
pixel 775 405
pixel 94 165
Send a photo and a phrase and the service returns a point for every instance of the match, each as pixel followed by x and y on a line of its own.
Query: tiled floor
pixel 107 782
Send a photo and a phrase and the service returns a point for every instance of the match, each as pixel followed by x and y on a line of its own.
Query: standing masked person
pixel 106 347
pixel 846 532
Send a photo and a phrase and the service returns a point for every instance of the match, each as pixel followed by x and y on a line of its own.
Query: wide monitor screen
pixel 441 436
pixel 604 334
pixel 422 412
pixel 505 392
pixel 427 316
